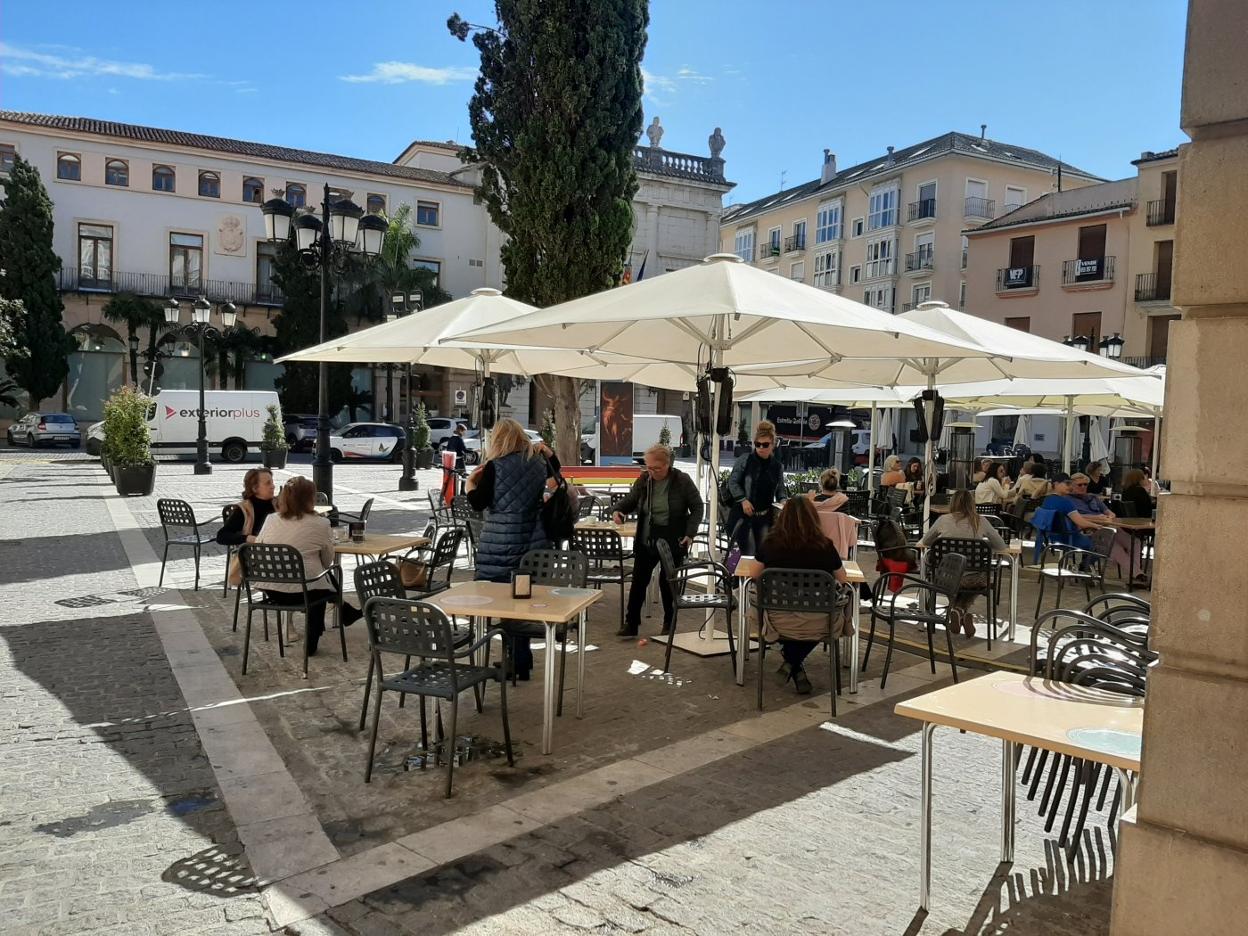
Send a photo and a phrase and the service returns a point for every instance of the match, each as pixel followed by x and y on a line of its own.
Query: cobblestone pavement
pixel 808 829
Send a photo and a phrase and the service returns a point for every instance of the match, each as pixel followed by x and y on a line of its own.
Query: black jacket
pixel 684 503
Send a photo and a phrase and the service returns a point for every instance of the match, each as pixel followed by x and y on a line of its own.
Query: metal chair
pixel 229 552
pixel 439 511
pixel 720 596
pixel 468 520
pixel 859 503
pixel 806 591
pixel 586 506
pixel 176 515
pixel 362 516
pixel 980 560
pixel 1120 609
pixel 607 507
pixel 439 560
pixel 945 583
pixel 988 510
pixel 560 568
pixel 420 630
pixel 278 564
pixel 1073 565
pixel 607 566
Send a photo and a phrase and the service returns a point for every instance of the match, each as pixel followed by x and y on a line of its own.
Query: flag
pixel 641 271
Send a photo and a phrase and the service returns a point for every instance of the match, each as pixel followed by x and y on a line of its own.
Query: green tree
pixel 555 114
pixel 40 362
pixel 134 313
pixel 11 315
pixel 375 282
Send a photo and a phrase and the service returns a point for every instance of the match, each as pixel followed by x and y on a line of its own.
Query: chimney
pixel 983 131
pixel 829 166
pixel 888 160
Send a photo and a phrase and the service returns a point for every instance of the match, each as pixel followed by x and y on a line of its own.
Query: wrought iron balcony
pixel 920 260
pixel 162 286
pixel 1149 287
pixel 1160 212
pixel 1020 278
pixel 795 243
pixel 769 250
pixel 1145 361
pixel 976 207
pixel 1088 270
pixel 923 209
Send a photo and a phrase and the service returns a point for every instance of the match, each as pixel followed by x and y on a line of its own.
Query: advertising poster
pixel 616 407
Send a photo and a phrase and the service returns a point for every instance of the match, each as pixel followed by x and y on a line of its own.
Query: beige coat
pixel 312 536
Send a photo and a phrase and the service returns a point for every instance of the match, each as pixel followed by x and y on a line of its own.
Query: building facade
pixel 889 231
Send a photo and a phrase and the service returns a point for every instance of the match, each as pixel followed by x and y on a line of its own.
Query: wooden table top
pixel 324 509
pixel 493 599
pixel 749 567
pixel 627 529
pixel 380 544
pixel 1089 723
pixel 1133 523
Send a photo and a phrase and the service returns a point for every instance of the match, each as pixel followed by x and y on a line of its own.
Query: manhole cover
pixel 84 601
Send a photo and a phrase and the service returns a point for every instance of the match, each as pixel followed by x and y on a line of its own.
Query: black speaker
pixel 723 418
pixel 924 431
pixel 702 407
pixel 489 397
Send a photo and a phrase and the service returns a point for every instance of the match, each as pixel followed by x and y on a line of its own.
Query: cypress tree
pixel 555 114
pixel 39 364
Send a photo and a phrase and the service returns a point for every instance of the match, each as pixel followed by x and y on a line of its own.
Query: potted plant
pixel 273 443
pixel 743 441
pixel 129 443
pixel 420 437
pixel 665 436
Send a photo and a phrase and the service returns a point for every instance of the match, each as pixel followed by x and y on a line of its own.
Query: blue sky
pixel 1094 81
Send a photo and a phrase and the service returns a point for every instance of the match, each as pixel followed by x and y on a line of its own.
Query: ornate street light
pixel 1079 342
pixel 198 329
pixel 1112 347
pixel 406 304
pixel 325 243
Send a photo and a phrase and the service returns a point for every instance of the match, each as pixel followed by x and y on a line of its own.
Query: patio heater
pixel 961 454
pixel 1128 452
pixel 841 444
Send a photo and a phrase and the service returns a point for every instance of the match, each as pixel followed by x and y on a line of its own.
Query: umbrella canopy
pixel 1022 431
pixel 661 374
pixel 849 397
pixel 1142 394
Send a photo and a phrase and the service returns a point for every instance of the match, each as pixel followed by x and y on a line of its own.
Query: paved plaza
pixel 149 787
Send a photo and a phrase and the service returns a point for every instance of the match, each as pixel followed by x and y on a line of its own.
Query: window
pixel 427 213
pixel 296 194
pixel 828 223
pixel 266 259
pixel 773 242
pixel 925 251
pixel 827 269
pixel 882 209
pixel 797 271
pixel 966 249
pixel 338 194
pixel 925 207
pixel 799 235
pixel 8 153
pixel 879 297
pixel 376 204
pixel 1015 197
pixel 743 244
pixel 253 190
pixel 921 293
pixel 186 261
pixel 962 295
pixel 209 184
pixel 117 172
pixel 856 229
pixel 163 179
pixel 1020 322
pixel 433 265
pixel 855 274
pixel 880 254
pixel 69 167
pixel 95 256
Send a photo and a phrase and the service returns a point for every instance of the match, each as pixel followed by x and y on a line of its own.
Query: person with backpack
pixel 668 508
pixel 755 484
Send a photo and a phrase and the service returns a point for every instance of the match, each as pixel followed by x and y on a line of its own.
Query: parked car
pixel 36 429
pixel 300 431
pixel 472 443
pixel 95 438
pixel 442 428
pixel 368 441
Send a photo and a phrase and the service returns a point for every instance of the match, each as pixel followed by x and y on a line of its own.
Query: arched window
pixel 377 204
pixel 69 167
pixel 209 184
pixel 116 172
pixel 296 194
pixel 253 190
pixel 163 179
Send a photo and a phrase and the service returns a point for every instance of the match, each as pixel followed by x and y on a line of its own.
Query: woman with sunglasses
pixel 756 480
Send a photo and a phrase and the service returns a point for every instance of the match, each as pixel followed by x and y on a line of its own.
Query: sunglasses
pixel 762 445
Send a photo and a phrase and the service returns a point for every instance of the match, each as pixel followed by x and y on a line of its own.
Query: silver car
pixel 36 429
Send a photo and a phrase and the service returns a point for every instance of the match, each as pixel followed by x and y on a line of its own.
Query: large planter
pixel 106 465
pixel 134 481
pixel 276 459
pixel 424 457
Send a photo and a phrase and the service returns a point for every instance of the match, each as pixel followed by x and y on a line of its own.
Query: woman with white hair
pixel 893 475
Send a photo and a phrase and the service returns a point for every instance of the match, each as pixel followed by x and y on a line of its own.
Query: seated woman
pixel 796 541
pixel 983 472
pixel 1098 481
pixel 893 475
pixel 963 522
pixel 829 496
pixel 297 524
pixel 243 524
pixel 914 475
pixel 1031 483
pixel 1135 493
pixel 995 487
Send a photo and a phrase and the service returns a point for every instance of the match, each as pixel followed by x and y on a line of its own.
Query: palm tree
pixel 129 310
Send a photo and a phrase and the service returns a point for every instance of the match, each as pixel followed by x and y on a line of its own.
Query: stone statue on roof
pixel 716 142
pixel 654 133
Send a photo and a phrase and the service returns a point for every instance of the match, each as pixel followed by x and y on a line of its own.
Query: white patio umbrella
pixel 1098 450
pixel 1022 431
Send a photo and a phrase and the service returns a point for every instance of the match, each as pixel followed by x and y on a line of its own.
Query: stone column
pixel 1183 860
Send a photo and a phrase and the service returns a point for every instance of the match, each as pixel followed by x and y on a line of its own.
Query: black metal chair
pixel 607 507
pixel 988 510
pixel 719 597
pixel 586 506
pixel 439 560
pixel 420 630
pixel 1122 610
pixel 927 613
pixel 560 568
pixel 440 512
pixel 805 591
pixel 607 561
pixel 980 560
pixel 470 521
pixel 267 564
pixel 175 516
pixel 362 516
pixel 1073 565
pixel 859 503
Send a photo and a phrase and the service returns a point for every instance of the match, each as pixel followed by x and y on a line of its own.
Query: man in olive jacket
pixel 668 508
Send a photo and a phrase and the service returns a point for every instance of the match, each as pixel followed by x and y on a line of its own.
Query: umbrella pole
pixel 871 454
pixel 929 467
pixel 708 631
pixel 1070 420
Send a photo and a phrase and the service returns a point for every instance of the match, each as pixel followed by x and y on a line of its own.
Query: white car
pixel 472 442
pixel 442 428
pixel 368 442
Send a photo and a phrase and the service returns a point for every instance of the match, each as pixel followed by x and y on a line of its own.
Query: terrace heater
pixel 841 444
pixel 961 464
pixel 1128 452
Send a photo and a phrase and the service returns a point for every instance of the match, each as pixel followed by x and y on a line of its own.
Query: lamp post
pixel 198 328
pixel 324 243
pixel 406 304
pixel 134 359
pixel 1079 342
pixel 1112 347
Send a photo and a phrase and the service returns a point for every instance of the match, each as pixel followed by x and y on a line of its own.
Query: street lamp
pixel 1112 347
pixel 343 230
pixel 1079 342
pixel 198 328
pixel 406 304
pixel 134 359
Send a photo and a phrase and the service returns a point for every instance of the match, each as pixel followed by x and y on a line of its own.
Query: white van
pixel 235 421
pixel 646 429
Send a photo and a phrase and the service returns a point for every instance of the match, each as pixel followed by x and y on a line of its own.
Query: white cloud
pixel 685 73
pixel 403 72
pixel 19 62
